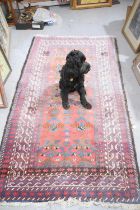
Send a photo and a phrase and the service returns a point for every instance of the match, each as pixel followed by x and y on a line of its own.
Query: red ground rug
pixel 49 153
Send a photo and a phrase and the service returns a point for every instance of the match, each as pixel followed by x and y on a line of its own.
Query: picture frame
pixel 4 33
pixel 5 67
pixel 128 11
pixel 3 100
pixel 136 67
pixel 85 4
pixel 131 28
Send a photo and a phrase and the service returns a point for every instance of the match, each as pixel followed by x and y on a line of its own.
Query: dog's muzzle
pixel 85 68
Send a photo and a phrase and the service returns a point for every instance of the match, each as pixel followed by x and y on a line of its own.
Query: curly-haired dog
pixel 72 78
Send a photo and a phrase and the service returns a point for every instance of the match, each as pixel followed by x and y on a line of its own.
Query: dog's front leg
pixel 64 96
pixel 83 99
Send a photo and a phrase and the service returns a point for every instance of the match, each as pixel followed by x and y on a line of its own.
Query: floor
pixel 91 22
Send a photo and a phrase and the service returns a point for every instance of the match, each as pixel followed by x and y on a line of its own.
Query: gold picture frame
pixel 4 33
pixel 85 4
pixel 131 28
pixel 136 67
pixel 3 100
pixel 5 67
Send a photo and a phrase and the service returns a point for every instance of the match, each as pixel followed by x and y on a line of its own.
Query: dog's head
pixel 75 66
pixel 76 61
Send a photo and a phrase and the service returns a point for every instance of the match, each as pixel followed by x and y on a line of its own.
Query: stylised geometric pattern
pixel 49 153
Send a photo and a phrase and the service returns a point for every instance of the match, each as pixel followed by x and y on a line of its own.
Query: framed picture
pixel 3 100
pixel 4 33
pixel 5 68
pixel 136 68
pixel 131 29
pixel 83 4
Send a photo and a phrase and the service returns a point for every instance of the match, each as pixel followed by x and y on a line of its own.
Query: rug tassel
pixel 69 203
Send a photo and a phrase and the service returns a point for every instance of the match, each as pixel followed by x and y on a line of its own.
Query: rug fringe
pixel 74 36
pixel 71 202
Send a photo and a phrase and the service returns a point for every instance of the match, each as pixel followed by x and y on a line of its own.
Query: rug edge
pixel 127 110
pixel 2 144
pixel 74 36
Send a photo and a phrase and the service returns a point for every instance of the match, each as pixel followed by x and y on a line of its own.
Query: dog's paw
pixel 86 105
pixel 66 105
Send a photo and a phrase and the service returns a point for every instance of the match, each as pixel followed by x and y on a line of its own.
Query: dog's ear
pixel 82 57
pixel 63 72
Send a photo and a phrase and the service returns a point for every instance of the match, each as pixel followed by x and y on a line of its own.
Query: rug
pixel 49 153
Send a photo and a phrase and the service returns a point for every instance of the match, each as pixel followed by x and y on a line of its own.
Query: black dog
pixel 72 78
